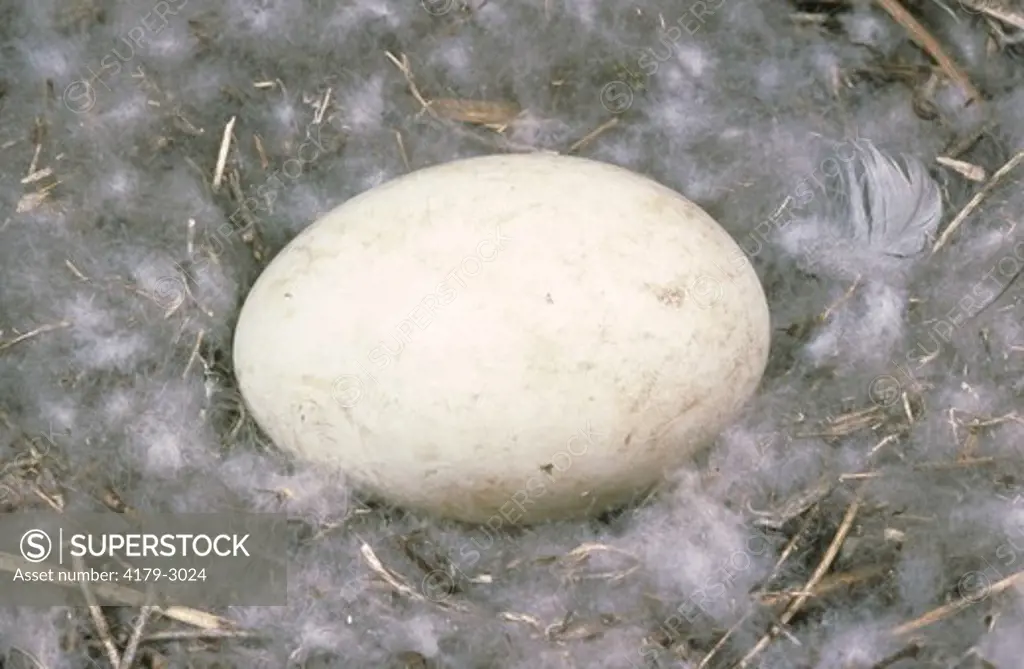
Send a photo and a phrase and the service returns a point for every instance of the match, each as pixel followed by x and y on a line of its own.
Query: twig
pixel 976 200
pixel 401 150
pixel 846 296
pixel 133 642
pixel 923 38
pixel 190 237
pixel 830 584
pixel 819 573
pixel 42 329
pixel 321 108
pixel 593 134
pixel 30 201
pixel 963 168
pixel 908 652
pixel 941 465
pixel 196 618
pixel 790 547
pixel 222 155
pixel 185 635
pixel 403 67
pixel 235 186
pixel 946 610
pixel 32 166
pixel 264 161
pixel 487 113
pixel 397 582
pixel 97 617
pixel 960 146
pixel 721 642
pixel 125 596
pixel 38 175
pixel 387 575
pixel 195 354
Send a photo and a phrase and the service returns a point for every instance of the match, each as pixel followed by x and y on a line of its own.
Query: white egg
pixel 507 339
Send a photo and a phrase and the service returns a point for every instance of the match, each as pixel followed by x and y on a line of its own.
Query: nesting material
pixel 862 510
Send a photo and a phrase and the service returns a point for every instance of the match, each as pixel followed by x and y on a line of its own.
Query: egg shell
pixel 506 339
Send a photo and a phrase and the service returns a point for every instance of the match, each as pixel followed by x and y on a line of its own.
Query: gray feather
pixel 894 206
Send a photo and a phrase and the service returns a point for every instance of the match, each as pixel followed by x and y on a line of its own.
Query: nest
pixel 811 528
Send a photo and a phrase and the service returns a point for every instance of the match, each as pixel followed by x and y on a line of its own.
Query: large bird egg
pixel 513 337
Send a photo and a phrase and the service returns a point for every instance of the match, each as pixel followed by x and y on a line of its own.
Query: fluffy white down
pixel 899 368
